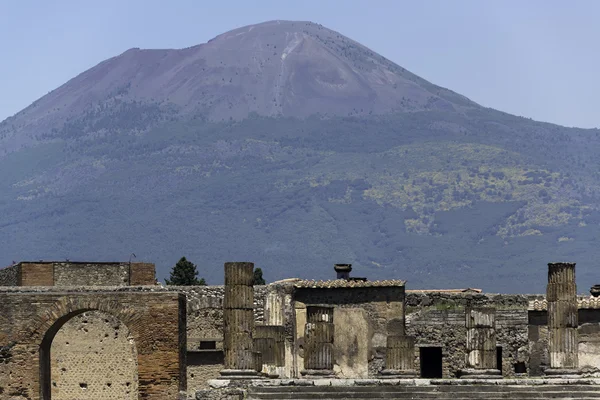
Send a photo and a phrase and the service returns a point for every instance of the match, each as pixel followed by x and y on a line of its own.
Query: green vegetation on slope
pixel 440 199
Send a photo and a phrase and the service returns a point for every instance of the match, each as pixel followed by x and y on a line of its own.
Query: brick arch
pixel 53 318
pixel 156 321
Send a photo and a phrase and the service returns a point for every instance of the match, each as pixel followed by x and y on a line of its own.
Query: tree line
pixel 185 273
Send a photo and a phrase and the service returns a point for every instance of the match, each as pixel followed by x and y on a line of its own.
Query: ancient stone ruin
pixel 71 330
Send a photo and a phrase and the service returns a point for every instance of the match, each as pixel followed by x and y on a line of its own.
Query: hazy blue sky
pixel 536 58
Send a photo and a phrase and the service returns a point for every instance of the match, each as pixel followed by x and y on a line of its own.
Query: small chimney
pixel 343 271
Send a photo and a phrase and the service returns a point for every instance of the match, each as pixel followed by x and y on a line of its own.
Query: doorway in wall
pixel 431 362
pixel 499 358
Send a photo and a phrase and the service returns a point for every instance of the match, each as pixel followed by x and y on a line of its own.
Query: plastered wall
pixel 363 317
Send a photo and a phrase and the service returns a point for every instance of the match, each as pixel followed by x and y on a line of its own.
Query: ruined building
pixel 72 330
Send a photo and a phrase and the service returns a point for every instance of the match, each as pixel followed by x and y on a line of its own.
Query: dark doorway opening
pixel 431 362
pixel 520 368
pixel 499 358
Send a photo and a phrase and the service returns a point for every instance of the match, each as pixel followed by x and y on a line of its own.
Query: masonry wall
pixel 32 319
pixel 68 274
pixel 78 274
pixel 36 274
pixel 589 340
pixel 93 356
pixel 9 276
pixel 438 320
pixel 362 320
pixel 205 324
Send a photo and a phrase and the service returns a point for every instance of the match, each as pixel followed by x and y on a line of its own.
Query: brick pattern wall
pixel 93 356
pixel 142 274
pixel 36 274
pixel 10 276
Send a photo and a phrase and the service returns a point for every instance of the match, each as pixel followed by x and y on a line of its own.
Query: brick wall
pixel 30 319
pixel 36 274
pixel 142 274
pixel 93 356
pixel 78 274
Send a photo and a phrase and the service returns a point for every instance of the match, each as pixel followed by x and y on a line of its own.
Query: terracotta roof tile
pixel 582 303
pixel 342 283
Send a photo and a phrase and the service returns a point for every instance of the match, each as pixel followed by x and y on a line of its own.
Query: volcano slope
pixel 290 145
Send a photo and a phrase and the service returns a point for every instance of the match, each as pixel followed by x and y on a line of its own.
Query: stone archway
pixel 93 356
pixel 156 322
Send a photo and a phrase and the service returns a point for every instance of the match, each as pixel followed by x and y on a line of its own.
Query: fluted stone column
pixel 274 309
pixel 270 340
pixel 318 342
pixel 481 344
pixel 561 295
pixel 399 357
pixel 238 318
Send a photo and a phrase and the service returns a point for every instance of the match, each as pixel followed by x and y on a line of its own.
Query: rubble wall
pixel 437 319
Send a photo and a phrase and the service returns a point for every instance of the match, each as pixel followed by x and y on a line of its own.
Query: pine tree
pixel 184 273
pixel 258 277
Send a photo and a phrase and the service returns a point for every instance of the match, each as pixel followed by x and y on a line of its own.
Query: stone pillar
pixel 318 342
pixel 238 319
pixel 481 344
pixel 271 337
pixel 561 295
pixel 399 357
pixel 274 309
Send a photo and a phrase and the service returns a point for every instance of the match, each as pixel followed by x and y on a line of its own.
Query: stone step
pixel 450 392
pixel 427 389
pixel 592 390
pixel 418 396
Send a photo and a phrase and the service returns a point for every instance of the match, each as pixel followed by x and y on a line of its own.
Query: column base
pixel 239 374
pixel 317 373
pixel 473 373
pixel 397 373
pixel 563 373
